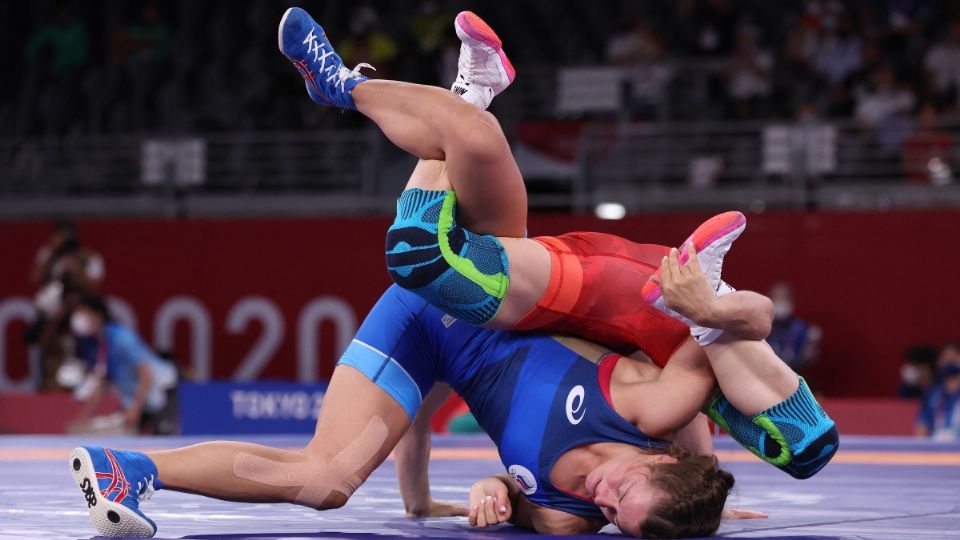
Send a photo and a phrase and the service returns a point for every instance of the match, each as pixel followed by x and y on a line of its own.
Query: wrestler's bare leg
pixel 254 473
pixel 434 124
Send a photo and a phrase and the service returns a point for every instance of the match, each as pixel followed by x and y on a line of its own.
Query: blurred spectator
pixel 118 358
pixel 793 339
pixel 149 38
pixel 795 81
pixel 62 266
pixel 917 371
pixel 903 31
pixel 146 46
pixel 939 416
pixel 431 36
pixel 63 259
pixel 366 43
pixel 61 45
pixel 882 97
pixel 834 49
pixel 641 53
pixel 55 57
pixel 709 26
pixel 633 42
pixel 882 106
pixel 927 154
pixel 749 74
pixel 949 355
pixel 942 64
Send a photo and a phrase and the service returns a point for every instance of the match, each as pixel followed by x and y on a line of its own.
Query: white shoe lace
pixel 466 63
pixel 342 75
pixel 145 489
pixel 472 61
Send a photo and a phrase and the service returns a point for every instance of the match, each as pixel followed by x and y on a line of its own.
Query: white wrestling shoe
pixel 483 69
pixel 712 240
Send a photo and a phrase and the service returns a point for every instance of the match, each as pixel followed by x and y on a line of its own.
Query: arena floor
pixel 883 488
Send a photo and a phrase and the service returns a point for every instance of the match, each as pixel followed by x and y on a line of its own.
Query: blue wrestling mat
pixel 881 488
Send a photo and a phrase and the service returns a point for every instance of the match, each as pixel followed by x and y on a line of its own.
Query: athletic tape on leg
pixel 316 479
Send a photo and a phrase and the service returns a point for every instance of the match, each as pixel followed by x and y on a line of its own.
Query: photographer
pixel 61 265
pixel 64 259
pixel 118 358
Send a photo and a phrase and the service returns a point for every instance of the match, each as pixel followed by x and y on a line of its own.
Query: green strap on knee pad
pixel 795 435
pixel 749 432
pixel 493 284
pixel 463 273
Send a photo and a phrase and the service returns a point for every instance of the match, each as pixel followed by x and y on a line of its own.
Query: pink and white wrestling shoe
pixel 712 240
pixel 483 69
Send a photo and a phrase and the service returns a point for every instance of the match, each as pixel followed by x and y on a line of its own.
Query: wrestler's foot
pixel 483 69
pixel 712 240
pixel 305 44
pixel 113 483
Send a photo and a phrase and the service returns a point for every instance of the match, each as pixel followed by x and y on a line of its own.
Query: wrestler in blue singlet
pixel 535 398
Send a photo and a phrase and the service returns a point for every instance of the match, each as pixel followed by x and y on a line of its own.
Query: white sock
pixel 474 94
pixel 702 334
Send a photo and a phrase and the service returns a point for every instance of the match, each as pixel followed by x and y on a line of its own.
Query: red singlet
pixel 594 293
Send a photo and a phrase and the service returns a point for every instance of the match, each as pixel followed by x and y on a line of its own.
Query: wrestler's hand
pixel 489 503
pixel 685 287
pixel 737 513
pixel 441 509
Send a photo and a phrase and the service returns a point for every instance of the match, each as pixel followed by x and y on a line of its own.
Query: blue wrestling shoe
pixel 305 44
pixel 113 483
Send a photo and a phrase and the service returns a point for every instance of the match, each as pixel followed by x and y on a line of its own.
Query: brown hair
pixel 694 490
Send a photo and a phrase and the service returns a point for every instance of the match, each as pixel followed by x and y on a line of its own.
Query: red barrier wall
pixel 35 414
pixel 277 298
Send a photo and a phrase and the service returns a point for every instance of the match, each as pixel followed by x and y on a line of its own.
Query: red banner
pixel 248 299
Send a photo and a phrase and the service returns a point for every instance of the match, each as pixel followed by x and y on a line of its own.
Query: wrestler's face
pixel 621 488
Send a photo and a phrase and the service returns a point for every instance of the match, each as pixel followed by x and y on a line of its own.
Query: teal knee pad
pixel 795 435
pixel 462 273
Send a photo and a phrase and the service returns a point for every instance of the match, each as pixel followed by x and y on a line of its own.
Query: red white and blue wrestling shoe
pixel 712 240
pixel 303 41
pixel 113 483
pixel 483 70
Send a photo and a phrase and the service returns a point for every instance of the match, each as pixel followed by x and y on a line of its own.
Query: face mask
pixel 82 324
pixel 909 374
pixel 782 309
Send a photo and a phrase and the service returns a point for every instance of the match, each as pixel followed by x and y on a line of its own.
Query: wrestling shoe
pixel 305 44
pixel 712 240
pixel 483 70
pixel 113 483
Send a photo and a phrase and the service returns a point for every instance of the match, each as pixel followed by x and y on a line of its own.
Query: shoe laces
pixel 145 489
pixel 713 266
pixel 471 61
pixel 342 75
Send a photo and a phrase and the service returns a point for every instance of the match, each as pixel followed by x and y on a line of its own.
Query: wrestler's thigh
pixel 494 203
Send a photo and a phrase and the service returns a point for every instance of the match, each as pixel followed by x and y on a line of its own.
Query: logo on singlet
pixel 576 405
pixel 523 478
pixel 448 320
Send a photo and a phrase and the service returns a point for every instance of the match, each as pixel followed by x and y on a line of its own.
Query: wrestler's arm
pixel 744 314
pixel 496 499
pixel 412 456
pixel 695 437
